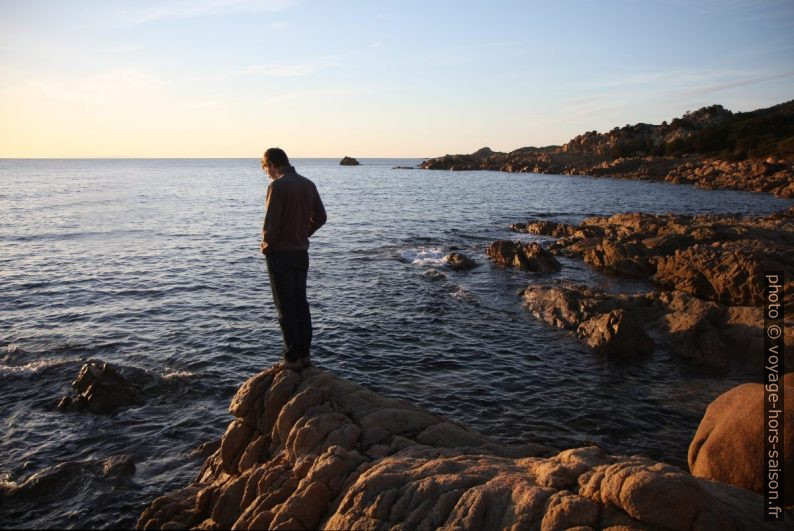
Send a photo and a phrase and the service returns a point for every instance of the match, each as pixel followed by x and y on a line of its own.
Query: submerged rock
pixel 528 256
pixel 729 443
pixel 63 476
pixel 309 450
pixel 435 275
pixel 459 261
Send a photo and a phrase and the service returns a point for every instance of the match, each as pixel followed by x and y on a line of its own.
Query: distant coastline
pixel 710 148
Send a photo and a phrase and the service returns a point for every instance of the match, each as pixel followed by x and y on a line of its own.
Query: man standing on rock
pixel 294 211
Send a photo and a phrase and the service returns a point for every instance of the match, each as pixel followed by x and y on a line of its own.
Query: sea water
pixel 155 265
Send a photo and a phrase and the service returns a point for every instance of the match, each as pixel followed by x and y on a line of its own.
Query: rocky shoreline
pixel 708 272
pixel 310 450
pixel 775 176
pixel 711 148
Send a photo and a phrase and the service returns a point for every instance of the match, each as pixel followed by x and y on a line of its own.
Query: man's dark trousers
pixel 287 271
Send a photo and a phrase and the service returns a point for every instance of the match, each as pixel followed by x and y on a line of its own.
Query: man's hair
pixel 277 157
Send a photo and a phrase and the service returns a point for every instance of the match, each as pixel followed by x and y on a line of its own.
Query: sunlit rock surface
pixel 528 256
pixel 729 443
pixel 709 274
pixel 311 450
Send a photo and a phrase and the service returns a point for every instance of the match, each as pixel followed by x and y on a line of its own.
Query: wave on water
pixel 35 366
pixel 60 236
pixel 424 256
pixel 172 374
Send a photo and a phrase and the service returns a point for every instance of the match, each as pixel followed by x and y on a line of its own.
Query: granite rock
pixel 528 256
pixel 729 443
pixel 313 451
pixel 703 332
pixel 459 261
pixel 101 388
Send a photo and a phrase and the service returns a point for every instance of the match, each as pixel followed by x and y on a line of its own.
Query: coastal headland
pixel 711 147
pixel 310 450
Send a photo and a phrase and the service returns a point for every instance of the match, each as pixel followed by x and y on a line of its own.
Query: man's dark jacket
pixel 294 212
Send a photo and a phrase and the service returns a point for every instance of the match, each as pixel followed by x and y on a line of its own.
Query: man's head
pixel 274 161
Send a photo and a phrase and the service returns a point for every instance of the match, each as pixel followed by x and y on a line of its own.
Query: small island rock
pixel 349 161
pixel 101 388
pixel 459 261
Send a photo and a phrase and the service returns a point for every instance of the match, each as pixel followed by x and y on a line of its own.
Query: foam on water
pixel 35 366
pixel 424 256
pixel 172 374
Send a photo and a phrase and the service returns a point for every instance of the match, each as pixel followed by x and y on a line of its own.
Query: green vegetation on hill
pixel 754 134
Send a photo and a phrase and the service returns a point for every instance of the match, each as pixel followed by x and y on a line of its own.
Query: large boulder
pixel 309 450
pixel 703 332
pixel 528 256
pixel 729 443
pixel 567 305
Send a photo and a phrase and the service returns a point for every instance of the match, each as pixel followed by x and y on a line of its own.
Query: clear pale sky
pixel 327 78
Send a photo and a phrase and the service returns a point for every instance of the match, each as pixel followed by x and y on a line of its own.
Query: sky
pixel 328 78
